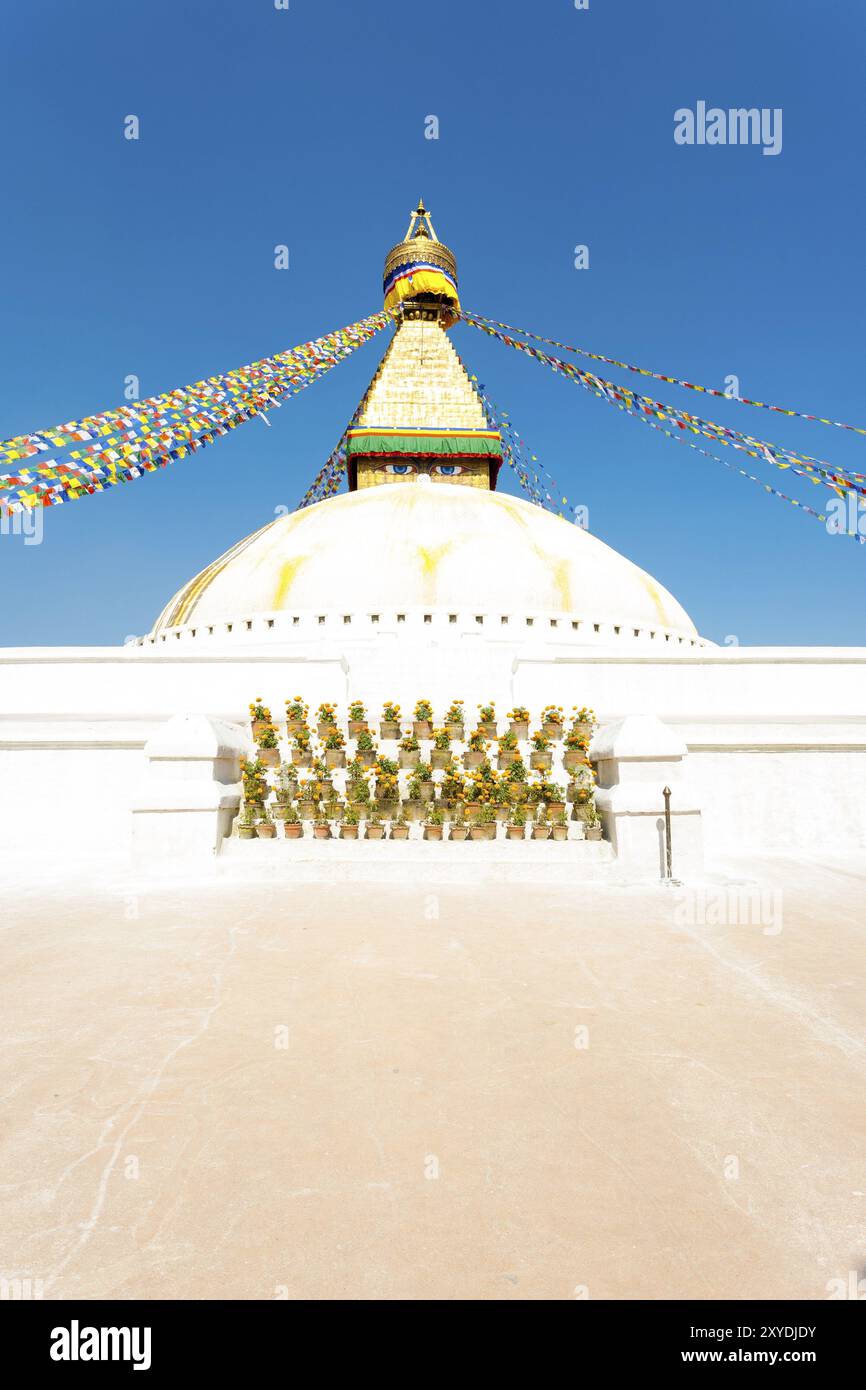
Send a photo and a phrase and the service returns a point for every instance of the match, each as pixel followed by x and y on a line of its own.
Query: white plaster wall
pixel 777 736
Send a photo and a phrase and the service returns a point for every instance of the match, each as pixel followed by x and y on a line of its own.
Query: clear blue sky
pixel 306 127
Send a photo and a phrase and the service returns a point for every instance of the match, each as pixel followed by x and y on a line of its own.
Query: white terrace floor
pixel 249 1090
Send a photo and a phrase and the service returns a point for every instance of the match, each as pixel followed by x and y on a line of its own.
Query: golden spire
pixel 422 272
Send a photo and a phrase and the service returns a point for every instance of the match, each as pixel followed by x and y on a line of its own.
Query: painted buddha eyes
pixel 442 470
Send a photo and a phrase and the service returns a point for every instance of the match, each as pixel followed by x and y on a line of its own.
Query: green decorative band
pixel 462 444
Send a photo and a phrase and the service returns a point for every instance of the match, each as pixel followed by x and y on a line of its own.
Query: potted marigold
pixel 541 829
pixel 247 824
pixel 413 805
pixel 424 776
pixel 254 783
pixel 477 749
pixel 516 828
pixel 554 799
pixel 518 721
pixel 292 828
pixel 302 748
pixel 335 755
pixel 265 828
pixel 410 751
pixel 349 823
pixel 366 750
pixel 321 824
pixel 375 828
pixel 574 755
pixel 508 750
pixel 453 784
pixel 389 725
pixel 433 824
pixel 541 757
pixel 423 725
pixel 583 722
pixel 440 756
pixel 500 801
pixel 594 827
pixel 487 719
pixel 551 720
pixel 454 719
pixel 327 719
pixel 357 718
pixel 560 826
pixel 269 748
pixel 459 829
pixel 483 824
pixel 296 715
pixel 516 780
pixel 260 716
pixel 359 796
pixel 307 802
pixel 399 828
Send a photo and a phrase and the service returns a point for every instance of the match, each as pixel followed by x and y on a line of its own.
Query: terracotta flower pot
pixel 572 757
pixel 540 832
pixel 270 756
pixel 257 726
pixel 594 832
pixel 489 829
pixel 552 728
pixel 440 758
pixel 413 810
pixel 422 728
pixel 432 832
pixel 399 832
pixel 410 758
pixel 502 813
pixel 582 729
pixel 292 829
pixel 335 757
pixel 427 790
pixel 306 809
pixel 366 759
pixel 519 728
pixel 473 759
pixel 542 762
pixel 459 832
pixel 389 728
pixel 323 729
pixel 560 832
pixel 246 832
pixel 356 727
pixel 555 808
pixel 454 730
pixel 506 760
pixel 294 726
pixel 302 759
pixel 322 830
pixel 487 727
pixel 472 808
pixel 516 832
pixel 348 831
pixel 375 832
pixel 478 832
pixel 266 832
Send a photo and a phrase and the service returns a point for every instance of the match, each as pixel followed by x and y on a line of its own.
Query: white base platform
pixel 441 862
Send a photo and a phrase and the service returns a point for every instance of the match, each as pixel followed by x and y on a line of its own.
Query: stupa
pixel 423 535
pixel 426 577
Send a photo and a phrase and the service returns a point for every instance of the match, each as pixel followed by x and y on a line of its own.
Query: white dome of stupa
pixel 425 547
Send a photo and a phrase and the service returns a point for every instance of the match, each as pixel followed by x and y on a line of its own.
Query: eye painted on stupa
pixel 448 470
pixel 401 468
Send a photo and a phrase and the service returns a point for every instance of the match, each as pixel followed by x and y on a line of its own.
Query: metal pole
pixel 667 796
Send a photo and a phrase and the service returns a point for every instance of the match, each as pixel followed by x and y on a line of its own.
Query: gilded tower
pixel 421 416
